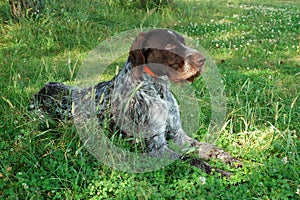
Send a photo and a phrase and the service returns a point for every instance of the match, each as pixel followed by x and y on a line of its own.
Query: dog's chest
pixel 145 107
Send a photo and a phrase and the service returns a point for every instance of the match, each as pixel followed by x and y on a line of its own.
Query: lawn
pixel 256 47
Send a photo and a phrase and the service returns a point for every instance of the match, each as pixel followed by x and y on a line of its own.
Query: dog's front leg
pixel 208 151
pixel 157 147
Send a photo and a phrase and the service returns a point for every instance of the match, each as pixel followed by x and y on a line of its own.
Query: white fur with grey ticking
pixel 139 104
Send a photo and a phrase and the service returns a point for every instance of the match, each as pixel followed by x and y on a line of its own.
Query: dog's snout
pixel 202 59
pixel 197 59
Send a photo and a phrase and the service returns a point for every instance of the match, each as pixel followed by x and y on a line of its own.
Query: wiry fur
pixel 138 104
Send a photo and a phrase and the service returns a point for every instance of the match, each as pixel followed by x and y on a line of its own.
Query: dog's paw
pixel 209 151
pixel 204 166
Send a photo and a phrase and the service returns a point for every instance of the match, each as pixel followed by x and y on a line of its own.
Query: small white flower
pixel 203 180
pixel 285 160
pixel 25 186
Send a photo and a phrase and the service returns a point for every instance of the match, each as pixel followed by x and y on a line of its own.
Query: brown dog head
pixel 163 52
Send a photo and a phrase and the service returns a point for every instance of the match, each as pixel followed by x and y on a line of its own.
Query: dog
pixel 138 100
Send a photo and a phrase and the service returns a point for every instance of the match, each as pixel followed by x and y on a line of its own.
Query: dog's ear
pixel 136 54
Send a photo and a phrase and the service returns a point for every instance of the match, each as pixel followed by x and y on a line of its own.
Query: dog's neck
pixel 129 79
pixel 146 75
pixel 147 70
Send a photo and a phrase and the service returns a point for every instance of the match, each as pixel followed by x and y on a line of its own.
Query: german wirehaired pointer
pixel 138 98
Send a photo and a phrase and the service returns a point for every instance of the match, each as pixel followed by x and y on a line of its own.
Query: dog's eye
pixel 170 46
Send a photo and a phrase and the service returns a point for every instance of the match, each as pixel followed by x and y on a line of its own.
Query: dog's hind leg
pixel 55 100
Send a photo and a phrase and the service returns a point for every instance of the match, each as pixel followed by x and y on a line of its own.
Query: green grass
pixel 257 51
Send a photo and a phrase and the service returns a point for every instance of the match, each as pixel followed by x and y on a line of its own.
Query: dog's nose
pixel 197 58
